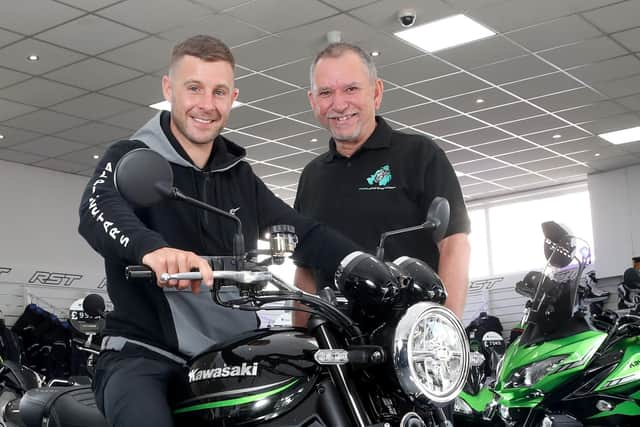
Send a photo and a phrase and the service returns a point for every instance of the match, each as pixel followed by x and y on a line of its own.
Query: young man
pixel 152 329
pixel 374 179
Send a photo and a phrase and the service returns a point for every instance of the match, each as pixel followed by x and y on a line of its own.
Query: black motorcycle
pixel 380 348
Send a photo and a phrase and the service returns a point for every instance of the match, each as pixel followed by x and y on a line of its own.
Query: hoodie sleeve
pixel 108 223
pixel 319 246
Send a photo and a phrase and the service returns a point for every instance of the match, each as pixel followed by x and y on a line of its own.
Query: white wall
pixel 615 213
pixel 41 253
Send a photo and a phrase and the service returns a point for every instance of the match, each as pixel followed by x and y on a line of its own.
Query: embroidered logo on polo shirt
pixel 379 179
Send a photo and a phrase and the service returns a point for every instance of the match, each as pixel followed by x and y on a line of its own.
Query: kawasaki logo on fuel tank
pixel 245 370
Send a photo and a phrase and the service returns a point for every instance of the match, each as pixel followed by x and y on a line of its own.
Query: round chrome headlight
pixel 431 353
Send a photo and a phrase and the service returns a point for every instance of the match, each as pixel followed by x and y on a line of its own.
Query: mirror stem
pixel 427 225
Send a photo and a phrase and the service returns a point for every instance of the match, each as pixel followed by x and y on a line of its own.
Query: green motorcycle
pixel 568 368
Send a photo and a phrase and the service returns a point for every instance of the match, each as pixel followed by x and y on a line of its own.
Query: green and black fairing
pixel 256 378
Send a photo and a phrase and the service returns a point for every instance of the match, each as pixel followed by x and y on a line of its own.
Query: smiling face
pixel 201 94
pixel 345 98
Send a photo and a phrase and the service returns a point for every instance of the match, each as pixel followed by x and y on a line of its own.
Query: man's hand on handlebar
pixel 170 260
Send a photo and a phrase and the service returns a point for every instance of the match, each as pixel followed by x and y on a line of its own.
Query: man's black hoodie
pixel 180 321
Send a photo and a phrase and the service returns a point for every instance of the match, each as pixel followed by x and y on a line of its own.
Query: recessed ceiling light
pixel 445 33
pixel 314 139
pixel 1 136
pixel 479 101
pixel 375 53
pixel 166 105
pixel 33 57
pixel 622 136
pixel 597 155
pixel 459 173
pixel 557 136
pixel 96 157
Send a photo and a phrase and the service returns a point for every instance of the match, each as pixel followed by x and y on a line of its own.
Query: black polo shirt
pixel 387 184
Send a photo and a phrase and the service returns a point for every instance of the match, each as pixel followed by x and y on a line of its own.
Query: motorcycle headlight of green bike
pixel 431 353
pixel 531 374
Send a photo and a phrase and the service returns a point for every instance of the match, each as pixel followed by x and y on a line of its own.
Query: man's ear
pixel 235 94
pixel 167 91
pixel 377 93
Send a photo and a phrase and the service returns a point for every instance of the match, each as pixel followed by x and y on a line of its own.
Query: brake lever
pixel 237 276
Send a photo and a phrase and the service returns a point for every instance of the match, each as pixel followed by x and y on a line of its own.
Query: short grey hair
pixel 336 50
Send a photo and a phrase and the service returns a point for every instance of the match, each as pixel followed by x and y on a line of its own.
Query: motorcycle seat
pixel 63 406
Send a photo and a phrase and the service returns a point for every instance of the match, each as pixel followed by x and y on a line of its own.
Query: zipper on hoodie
pixel 205 192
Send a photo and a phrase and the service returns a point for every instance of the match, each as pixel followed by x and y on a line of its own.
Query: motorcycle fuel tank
pixel 253 379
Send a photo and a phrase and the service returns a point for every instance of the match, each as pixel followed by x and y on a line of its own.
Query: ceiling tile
pixel 462 155
pixel 7 37
pixel 10 109
pixel 467 180
pixel 591 112
pixel 133 119
pixel 522 180
pixel 613 123
pixel 622 87
pixel 278 129
pixel 507 113
pixel 285 194
pixel 391 49
pixel 533 124
pixel 60 165
pixel 482 189
pixel 478 136
pixel 455 84
pixel 482 52
pixel 148 55
pixel 48 146
pixel 569 99
pixel 262 169
pixel 13 136
pixel 95 133
pixel 314 35
pixel 9 77
pixel 503 147
pixel 270 52
pixel 277 15
pixel 421 114
pixel 87 35
pixel 616 17
pixel 348 4
pixel 478 165
pixel 610 69
pixel 227 28
pixel 289 103
pixel 526 156
pixel 452 125
pixel 166 14
pixel 295 161
pixel 40 92
pixel 92 74
pixel 246 115
pixel 585 52
pixel 517 14
pixel 498 173
pixel 18 156
pixel 94 106
pixel 554 33
pixel 613 162
pixel 255 87
pixel 631 102
pixel 306 140
pixel 565 133
pixel 244 140
pixel 630 39
pixel 512 70
pixel 552 163
pixel 544 85
pixel 30 17
pixel 383 14
pixel 90 5
pixel 295 73
pixel 85 156
pixel 44 121
pixel 592 144
pixel 567 171
pixel 415 70
pixel 51 57
pixel 395 99
pixel 282 179
pixel 491 97
pixel 307 118
pixel 145 90
pixel 269 150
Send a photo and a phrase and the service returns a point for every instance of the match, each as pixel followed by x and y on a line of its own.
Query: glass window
pixel 479 265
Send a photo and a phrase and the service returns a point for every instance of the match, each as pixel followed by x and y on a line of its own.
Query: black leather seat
pixel 63 406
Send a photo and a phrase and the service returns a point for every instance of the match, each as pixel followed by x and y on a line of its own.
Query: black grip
pixel 132 272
